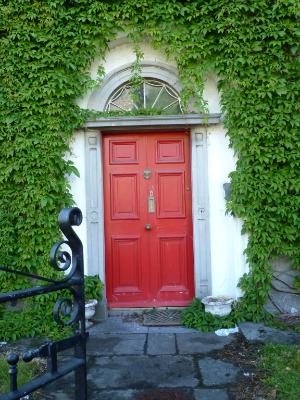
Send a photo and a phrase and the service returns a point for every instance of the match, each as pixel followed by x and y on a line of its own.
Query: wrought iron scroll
pixel 67 311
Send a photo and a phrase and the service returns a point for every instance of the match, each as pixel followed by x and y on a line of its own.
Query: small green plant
pixel 195 317
pixel 281 364
pixel 93 287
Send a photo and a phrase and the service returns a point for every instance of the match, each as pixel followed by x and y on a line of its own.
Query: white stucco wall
pixel 226 244
pixel 121 54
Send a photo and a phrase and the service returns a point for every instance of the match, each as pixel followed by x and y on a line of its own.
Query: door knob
pixel 148 227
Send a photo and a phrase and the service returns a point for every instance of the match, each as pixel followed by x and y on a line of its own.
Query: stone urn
pixel 90 309
pixel 218 305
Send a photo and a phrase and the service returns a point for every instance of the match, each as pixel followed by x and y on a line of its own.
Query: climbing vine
pixel 46 51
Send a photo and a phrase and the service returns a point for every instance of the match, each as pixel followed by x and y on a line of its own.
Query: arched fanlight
pixel 151 94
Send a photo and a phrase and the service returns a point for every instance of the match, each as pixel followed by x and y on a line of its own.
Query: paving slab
pixel 117 325
pixel 170 329
pixel 165 394
pixel 211 394
pixel 161 343
pixel 115 395
pixel 217 372
pixel 116 344
pixel 141 372
pixel 258 332
pixel 50 393
pixel 201 343
pixel 129 394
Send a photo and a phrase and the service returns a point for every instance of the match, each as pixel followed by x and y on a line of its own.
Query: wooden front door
pixel 148 219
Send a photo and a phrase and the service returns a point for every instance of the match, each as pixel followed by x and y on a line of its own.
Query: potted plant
pixel 93 294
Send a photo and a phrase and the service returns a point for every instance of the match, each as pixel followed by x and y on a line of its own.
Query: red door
pixel 148 219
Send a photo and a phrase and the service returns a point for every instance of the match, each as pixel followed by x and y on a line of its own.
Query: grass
pixel 26 371
pixel 281 364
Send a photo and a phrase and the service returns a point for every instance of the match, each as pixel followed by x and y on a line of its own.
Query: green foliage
pixel 93 287
pixel 132 113
pixel 46 49
pixel 31 318
pixel 26 372
pixel 137 80
pixel 195 317
pixel 281 364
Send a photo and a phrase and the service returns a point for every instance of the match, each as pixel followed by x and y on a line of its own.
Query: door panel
pixel 125 265
pixel 172 263
pixel 123 152
pixel 171 194
pixel 170 151
pixel 148 219
pixel 124 196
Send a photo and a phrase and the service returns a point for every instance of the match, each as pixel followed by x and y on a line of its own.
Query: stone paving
pixel 258 332
pixel 127 361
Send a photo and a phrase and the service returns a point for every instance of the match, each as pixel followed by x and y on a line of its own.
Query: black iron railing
pixel 67 311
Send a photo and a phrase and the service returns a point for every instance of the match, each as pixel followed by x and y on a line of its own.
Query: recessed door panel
pixel 125 265
pixel 124 196
pixel 172 263
pixel 148 219
pixel 171 201
pixel 170 151
pixel 122 152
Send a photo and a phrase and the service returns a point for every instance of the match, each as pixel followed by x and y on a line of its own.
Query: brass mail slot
pixel 151 202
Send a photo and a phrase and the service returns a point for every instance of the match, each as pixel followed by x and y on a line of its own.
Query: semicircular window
pixel 151 94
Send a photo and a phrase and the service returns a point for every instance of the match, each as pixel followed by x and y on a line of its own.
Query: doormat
pixel 162 318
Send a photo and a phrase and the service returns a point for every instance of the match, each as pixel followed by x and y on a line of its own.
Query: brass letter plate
pixel 151 202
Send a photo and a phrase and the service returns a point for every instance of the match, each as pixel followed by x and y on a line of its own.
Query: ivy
pixel 195 317
pixel 46 51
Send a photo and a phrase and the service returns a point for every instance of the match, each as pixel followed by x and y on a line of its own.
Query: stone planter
pixel 218 305
pixel 90 309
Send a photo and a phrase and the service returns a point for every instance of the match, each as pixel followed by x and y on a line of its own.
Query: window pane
pixel 122 101
pixel 152 94
pixel 173 109
pixel 165 99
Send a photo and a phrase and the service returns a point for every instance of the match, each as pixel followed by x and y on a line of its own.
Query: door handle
pixel 148 227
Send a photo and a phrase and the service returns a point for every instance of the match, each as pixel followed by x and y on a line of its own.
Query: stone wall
pixel 283 297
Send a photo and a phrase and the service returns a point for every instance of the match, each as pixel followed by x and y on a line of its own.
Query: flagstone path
pixel 128 361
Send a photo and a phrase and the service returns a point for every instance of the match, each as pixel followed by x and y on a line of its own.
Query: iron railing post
pixel 13 360
pixel 77 258
pixel 65 220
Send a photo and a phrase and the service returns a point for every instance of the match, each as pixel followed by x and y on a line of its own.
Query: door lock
pixel 148 227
